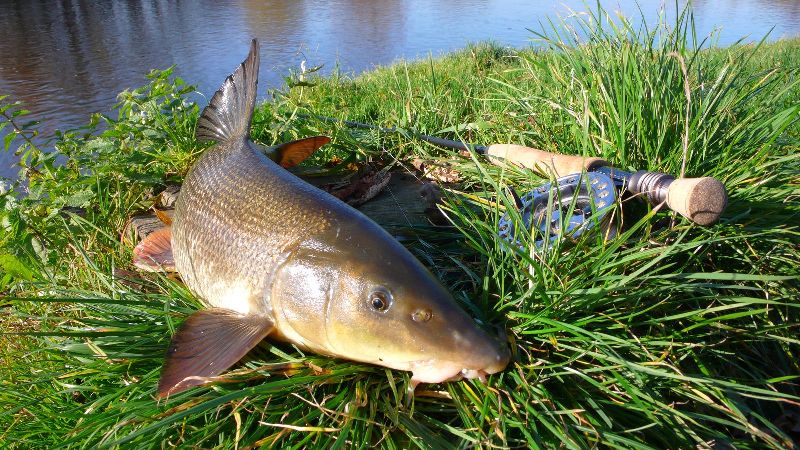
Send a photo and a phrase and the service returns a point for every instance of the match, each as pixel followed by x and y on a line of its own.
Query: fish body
pixel 269 254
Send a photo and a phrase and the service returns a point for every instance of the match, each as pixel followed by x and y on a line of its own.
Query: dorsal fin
pixel 228 114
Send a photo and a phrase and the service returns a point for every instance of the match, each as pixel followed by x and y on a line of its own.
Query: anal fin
pixel 206 344
pixel 154 253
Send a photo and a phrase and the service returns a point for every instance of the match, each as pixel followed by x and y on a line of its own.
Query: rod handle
pixel 542 161
pixel 700 200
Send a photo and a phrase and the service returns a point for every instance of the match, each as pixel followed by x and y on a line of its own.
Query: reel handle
pixel 700 200
pixel 542 161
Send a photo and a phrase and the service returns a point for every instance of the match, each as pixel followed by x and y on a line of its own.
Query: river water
pixel 67 59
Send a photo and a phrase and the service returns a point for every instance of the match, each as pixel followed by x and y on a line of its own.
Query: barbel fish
pixel 270 255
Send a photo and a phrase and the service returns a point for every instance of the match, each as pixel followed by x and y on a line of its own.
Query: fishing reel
pixel 569 206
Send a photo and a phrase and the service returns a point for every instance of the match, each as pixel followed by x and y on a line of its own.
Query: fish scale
pixel 237 205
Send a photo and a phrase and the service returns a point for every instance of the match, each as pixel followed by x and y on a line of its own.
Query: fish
pixel 270 255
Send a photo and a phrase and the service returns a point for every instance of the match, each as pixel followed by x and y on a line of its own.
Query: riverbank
pixel 667 336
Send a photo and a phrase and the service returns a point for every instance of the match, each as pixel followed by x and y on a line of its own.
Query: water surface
pixel 68 59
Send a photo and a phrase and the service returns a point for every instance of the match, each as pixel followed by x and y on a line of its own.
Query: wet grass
pixel 669 336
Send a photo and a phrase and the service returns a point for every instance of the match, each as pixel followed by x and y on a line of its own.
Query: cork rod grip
pixel 700 200
pixel 542 161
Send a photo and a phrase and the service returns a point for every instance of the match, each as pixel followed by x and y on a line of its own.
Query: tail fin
pixel 228 114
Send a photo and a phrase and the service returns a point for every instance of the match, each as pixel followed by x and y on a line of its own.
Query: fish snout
pixel 483 358
pixel 484 355
pixel 492 358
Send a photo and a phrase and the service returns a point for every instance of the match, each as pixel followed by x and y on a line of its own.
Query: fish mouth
pixel 432 371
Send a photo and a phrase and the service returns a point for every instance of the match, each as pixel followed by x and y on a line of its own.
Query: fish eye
pixel 380 300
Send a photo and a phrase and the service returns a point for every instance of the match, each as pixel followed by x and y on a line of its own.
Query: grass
pixel 669 336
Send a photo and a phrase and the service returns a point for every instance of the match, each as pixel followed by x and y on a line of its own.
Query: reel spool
pixel 580 202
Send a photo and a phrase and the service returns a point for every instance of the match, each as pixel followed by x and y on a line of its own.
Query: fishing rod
pixel 701 200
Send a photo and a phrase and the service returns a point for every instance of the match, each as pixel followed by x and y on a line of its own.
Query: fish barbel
pixel 271 255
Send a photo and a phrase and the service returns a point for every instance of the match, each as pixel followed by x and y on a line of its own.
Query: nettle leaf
pixel 5 223
pixel 7 139
pixel 98 145
pixel 20 112
pixel 152 134
pixel 79 199
pixel 11 265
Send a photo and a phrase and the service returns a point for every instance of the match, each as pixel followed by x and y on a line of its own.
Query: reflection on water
pixel 70 58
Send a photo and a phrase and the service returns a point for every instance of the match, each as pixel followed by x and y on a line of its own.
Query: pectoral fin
pixel 293 153
pixel 154 253
pixel 206 344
